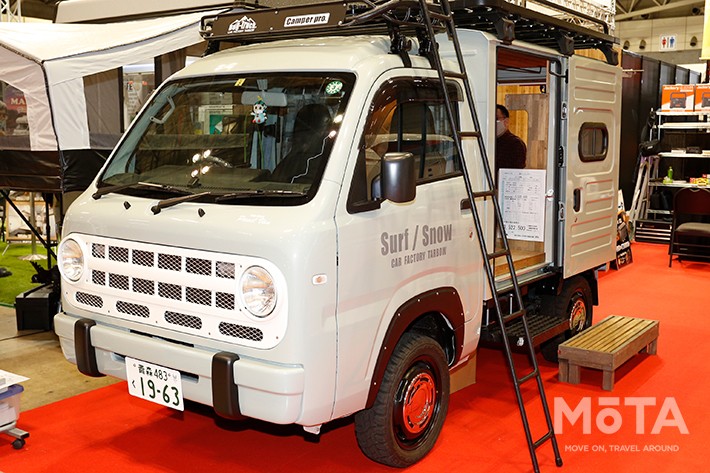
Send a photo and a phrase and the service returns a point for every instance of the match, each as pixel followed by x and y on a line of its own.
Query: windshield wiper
pixel 163 187
pixel 259 193
pixel 164 204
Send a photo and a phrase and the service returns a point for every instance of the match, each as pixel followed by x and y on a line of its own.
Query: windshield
pixel 261 137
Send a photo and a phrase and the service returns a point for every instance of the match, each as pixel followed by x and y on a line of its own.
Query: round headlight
pixel 71 259
pixel 258 291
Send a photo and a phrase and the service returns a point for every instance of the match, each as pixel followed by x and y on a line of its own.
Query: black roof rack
pixel 248 22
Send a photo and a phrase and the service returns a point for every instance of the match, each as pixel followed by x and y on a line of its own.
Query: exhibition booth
pixel 70 92
pixel 316 253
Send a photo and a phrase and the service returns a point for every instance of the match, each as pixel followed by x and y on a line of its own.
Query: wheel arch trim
pixel 445 302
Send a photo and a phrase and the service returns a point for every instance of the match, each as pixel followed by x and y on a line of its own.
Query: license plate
pixel 154 383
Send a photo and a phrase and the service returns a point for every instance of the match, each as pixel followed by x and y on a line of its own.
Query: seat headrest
pixel 312 118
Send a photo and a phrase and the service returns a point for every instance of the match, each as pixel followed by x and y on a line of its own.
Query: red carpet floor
pixel 657 398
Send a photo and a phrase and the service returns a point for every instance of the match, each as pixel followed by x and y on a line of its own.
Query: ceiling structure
pixel 652 9
pixel 625 9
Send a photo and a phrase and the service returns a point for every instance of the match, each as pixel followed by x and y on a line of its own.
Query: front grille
pixel 98 277
pixel 116 253
pixel 180 289
pixel 143 286
pixel 240 331
pixel 133 309
pixel 118 281
pixel 225 270
pixel 143 258
pixel 89 299
pixel 169 262
pixel 98 251
pixel 169 291
pixel 224 300
pixel 198 296
pixel 184 320
pixel 198 266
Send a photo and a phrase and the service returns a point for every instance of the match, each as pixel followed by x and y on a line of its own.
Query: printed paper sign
pixel 521 195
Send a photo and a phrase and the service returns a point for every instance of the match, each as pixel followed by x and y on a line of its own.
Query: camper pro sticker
pixel 306 20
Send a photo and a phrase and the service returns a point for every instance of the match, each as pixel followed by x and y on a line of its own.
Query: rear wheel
pixel 409 411
pixel 573 304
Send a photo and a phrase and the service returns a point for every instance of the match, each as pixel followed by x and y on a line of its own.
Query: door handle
pixel 465 204
pixel 577 199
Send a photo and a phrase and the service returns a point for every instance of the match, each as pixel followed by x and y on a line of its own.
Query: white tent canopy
pixel 48 61
pixel 101 11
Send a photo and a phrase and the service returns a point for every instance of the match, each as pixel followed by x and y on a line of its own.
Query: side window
pixel 407 115
pixel 593 142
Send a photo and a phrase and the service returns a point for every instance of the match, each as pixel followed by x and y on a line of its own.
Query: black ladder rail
pixel 445 17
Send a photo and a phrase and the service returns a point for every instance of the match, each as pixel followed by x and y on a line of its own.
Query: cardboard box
pixel 702 97
pixel 678 98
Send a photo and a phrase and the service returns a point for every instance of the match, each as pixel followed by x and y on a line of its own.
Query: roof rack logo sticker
pixel 307 20
pixel 242 25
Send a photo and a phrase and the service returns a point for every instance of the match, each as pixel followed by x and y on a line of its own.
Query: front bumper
pixel 235 386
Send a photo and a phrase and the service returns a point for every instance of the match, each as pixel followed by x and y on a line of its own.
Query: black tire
pixel 574 304
pixel 17 444
pixel 409 411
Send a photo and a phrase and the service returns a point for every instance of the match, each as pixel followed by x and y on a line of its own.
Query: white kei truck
pixel 305 224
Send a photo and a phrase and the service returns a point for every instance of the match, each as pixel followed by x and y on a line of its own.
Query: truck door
pixel 389 253
pixel 590 166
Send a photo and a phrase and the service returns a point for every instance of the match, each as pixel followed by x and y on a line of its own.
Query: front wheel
pixel 573 304
pixel 409 411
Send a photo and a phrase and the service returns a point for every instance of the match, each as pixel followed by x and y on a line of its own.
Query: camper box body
pixel 351 276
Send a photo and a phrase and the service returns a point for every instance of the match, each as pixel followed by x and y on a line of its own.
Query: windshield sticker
pixel 240 82
pixel 334 87
pixel 242 25
pixel 423 243
pixel 259 111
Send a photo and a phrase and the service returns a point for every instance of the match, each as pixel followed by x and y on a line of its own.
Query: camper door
pixel 590 166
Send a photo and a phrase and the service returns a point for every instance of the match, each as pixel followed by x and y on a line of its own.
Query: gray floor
pixel 36 354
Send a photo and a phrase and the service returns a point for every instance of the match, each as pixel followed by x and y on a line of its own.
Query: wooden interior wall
pixel 519 119
pixel 537 111
pixel 596 54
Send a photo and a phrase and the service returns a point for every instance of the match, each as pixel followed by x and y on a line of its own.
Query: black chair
pixel 310 129
pixel 690 233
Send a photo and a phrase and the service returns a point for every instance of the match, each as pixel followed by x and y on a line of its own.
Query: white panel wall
pixel 651 31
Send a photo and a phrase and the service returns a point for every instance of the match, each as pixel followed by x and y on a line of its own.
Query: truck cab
pixel 285 232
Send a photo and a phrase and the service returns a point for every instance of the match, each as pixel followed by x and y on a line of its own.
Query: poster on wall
pixel 521 194
pixel 13 111
pixel 623 241
pixel 15 100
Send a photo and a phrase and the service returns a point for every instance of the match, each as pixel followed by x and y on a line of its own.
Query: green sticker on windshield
pixel 334 87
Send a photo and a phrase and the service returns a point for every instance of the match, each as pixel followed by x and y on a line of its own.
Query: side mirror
pixel 398 181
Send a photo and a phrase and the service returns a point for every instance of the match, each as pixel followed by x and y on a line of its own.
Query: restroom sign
pixel 668 42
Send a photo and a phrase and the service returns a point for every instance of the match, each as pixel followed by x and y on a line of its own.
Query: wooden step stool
pixel 606 346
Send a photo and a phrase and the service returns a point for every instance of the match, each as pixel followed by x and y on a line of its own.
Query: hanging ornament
pixel 259 112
